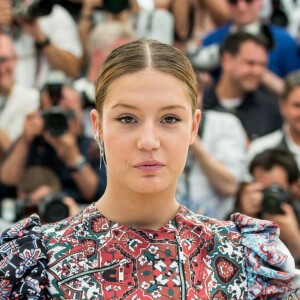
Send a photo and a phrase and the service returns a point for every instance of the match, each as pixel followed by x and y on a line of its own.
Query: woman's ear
pixel 96 122
pixel 195 126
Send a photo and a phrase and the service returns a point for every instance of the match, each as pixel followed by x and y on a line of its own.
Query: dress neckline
pixel 171 226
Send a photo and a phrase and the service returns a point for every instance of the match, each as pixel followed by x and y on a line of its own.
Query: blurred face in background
pixel 276 175
pixel 290 110
pixel 245 69
pixel 244 12
pixel 7 63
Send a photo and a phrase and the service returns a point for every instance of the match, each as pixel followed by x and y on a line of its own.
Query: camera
pixel 54 83
pixel 274 196
pixel 56 120
pixel 38 8
pixel 115 6
pixel 51 209
pixel 278 16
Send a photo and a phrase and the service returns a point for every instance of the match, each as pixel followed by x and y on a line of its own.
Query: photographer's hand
pixel 57 57
pixel 296 189
pixel 33 127
pixel 67 150
pixel 162 4
pixel 90 4
pixel 6 16
pixel 32 28
pixel 65 147
pixel 251 198
pixel 14 164
pixel 289 228
pixel 5 142
pixel 74 209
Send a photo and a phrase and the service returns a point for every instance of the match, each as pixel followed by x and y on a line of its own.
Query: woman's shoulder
pixel 270 266
pixel 23 260
pixel 24 252
pixel 71 227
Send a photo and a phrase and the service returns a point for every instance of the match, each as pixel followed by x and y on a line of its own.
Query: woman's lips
pixel 149 166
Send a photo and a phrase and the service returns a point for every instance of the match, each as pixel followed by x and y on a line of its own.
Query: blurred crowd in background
pixel 246 56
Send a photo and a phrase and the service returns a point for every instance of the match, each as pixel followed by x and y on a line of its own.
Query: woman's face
pixel 147 126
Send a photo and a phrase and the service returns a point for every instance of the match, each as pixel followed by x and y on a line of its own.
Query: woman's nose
pixel 148 139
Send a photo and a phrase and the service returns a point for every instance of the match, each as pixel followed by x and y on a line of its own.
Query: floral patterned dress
pixel 191 257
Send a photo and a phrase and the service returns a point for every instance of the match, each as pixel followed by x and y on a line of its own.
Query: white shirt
pixel 60 28
pixel 19 103
pixel 157 24
pixel 225 139
pixel 294 23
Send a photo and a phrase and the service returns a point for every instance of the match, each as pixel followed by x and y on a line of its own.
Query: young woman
pixel 137 242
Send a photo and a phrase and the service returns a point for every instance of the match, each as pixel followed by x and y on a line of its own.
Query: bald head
pixel 109 35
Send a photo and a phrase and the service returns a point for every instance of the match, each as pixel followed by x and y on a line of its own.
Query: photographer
pixel 16 101
pixel 43 38
pixel 52 137
pixel 271 194
pixel 39 190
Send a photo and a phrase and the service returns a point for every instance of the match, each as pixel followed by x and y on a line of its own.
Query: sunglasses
pixel 234 2
pixel 6 59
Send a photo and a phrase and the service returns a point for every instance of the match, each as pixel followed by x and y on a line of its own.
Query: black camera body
pixel 38 8
pixel 274 196
pixel 116 6
pixel 278 16
pixel 51 209
pixel 56 120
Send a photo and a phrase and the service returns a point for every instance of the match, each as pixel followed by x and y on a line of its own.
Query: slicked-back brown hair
pixel 140 55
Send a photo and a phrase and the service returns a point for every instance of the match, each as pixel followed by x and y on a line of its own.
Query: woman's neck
pixel 137 209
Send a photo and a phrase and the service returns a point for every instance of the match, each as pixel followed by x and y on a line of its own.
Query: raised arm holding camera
pixel 45 37
pixel 53 138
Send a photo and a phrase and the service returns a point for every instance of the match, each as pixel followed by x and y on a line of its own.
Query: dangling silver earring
pixel 101 147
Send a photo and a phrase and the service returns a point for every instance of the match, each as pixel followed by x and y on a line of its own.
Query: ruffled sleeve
pixel 23 261
pixel 270 267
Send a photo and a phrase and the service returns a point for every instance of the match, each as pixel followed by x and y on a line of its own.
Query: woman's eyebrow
pixel 124 105
pixel 168 107
pixel 174 106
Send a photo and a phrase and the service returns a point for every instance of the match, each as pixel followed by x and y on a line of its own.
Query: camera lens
pixel 53 209
pixel 271 204
pixel 56 121
pixel 274 196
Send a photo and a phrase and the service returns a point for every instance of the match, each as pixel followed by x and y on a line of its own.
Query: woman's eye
pixel 126 119
pixel 171 119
